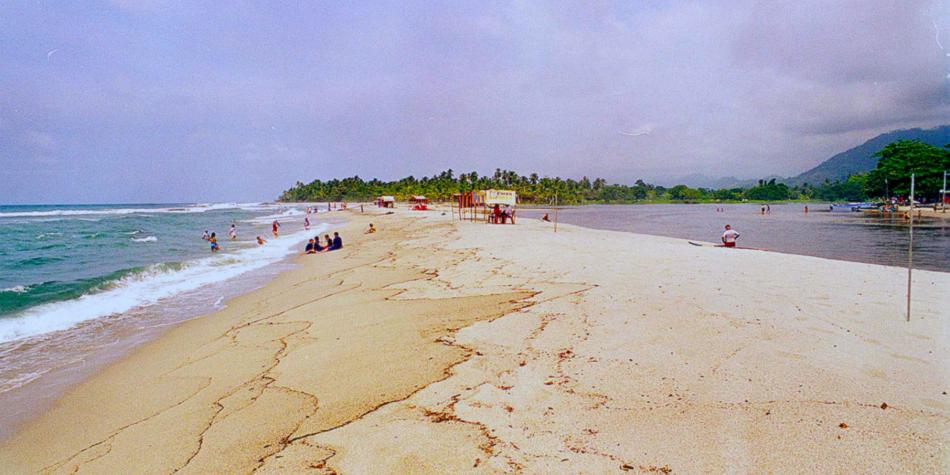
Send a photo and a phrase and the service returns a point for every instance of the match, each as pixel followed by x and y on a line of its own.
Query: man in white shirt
pixel 729 237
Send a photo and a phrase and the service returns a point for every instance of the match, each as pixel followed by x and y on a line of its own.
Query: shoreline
pixel 353 349
pixel 91 345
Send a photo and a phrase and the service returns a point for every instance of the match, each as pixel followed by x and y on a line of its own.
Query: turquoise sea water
pixel 60 265
pixel 81 285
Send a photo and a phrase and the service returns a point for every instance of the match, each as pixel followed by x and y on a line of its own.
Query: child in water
pixel 260 241
pixel 232 233
pixel 214 243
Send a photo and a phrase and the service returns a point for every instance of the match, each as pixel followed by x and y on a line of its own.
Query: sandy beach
pixel 434 346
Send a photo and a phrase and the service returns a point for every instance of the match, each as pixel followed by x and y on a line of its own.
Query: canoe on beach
pixel 709 244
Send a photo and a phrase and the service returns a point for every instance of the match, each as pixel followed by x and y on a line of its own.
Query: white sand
pixel 640 354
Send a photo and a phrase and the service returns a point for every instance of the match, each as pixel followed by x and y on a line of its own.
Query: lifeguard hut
pixel 386 201
pixel 471 203
pixel 500 198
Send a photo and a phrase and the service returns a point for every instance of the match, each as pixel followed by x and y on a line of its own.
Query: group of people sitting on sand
pixel 314 246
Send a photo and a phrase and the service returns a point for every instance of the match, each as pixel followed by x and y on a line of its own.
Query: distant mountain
pixel 861 158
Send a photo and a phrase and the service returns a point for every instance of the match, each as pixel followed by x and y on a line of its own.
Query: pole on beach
pixel 910 246
pixel 943 193
pixel 555 212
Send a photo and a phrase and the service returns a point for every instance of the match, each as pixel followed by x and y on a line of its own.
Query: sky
pixel 191 101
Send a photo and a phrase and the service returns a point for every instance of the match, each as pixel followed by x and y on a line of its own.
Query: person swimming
pixel 260 241
pixel 213 239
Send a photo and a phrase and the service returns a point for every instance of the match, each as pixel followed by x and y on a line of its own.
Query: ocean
pixel 83 284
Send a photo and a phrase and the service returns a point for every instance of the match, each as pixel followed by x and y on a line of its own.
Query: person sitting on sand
pixel 337 242
pixel 260 241
pixel 310 248
pixel 371 229
pixel 546 218
pixel 317 246
pixel 729 237
pixel 507 214
pixel 329 242
pixel 213 239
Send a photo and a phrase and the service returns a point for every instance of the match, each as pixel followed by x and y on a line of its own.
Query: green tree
pixel 898 160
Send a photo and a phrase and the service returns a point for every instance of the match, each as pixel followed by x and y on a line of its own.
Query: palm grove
pixel 891 177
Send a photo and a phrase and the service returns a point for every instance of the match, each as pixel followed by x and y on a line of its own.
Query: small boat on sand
pixel 851 207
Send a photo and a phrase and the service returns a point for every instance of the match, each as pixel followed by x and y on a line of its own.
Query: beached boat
pixel 851 207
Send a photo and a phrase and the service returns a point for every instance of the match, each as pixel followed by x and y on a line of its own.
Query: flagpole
pixel 910 246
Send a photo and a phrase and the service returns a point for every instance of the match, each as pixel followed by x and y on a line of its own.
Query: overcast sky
pixel 155 101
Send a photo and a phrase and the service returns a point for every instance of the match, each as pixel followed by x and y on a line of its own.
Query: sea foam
pixel 199 208
pixel 149 286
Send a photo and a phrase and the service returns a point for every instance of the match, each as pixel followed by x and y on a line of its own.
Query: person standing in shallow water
pixel 729 237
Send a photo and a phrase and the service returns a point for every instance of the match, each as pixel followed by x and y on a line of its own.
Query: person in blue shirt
pixel 337 241
pixel 310 248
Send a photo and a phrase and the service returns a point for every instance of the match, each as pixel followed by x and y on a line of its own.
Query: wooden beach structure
pixel 476 204
pixel 386 201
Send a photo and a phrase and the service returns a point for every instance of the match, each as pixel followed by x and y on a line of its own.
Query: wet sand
pixel 434 346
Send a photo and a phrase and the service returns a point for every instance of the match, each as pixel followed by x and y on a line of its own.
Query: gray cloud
pixel 169 101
